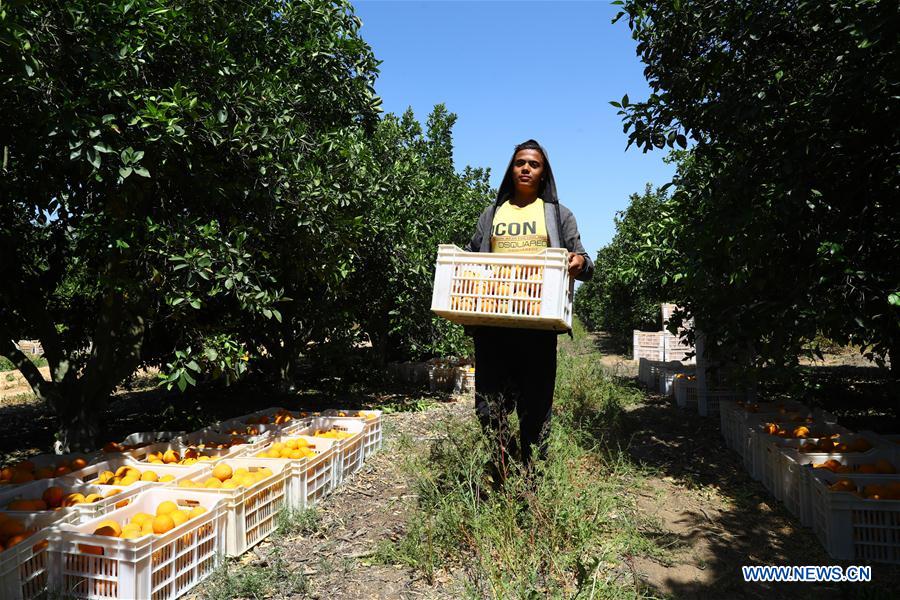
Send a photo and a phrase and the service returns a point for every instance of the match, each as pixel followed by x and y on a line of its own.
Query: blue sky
pixel 513 70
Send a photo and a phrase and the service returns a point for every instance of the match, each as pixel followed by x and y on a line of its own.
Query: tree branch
pixel 28 369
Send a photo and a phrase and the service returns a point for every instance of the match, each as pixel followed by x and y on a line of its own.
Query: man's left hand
pixel 576 264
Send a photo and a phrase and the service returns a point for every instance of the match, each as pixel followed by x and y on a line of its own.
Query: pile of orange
pixel 204 444
pixel 280 418
pixel 889 491
pixel 248 430
pixel 14 531
pixel 226 478
pixel 26 471
pixel 168 516
pixel 879 467
pixel 56 497
pixel 292 448
pixel 799 432
pixel 830 444
pixel 333 434
pixel 128 475
pixel 171 456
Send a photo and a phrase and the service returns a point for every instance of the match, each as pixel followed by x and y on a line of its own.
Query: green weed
pixel 560 531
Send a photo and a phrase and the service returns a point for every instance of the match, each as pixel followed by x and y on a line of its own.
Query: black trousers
pixel 515 369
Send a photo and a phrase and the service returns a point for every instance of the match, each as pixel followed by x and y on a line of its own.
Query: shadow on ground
pixel 721 517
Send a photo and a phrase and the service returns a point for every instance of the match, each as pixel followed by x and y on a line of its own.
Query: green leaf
pixel 124 172
pixel 141 171
pixel 192 365
pixel 894 298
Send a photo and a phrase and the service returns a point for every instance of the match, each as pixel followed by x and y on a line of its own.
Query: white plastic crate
pixel 708 400
pixel 797 471
pixel 854 528
pixel 372 431
pixel 308 479
pixel 143 438
pixel 250 512
pixel 84 512
pixel 157 567
pixel 464 380
pixel 755 459
pixel 685 392
pixel 24 567
pixel 736 416
pixel 649 345
pixel 503 289
pixel 667 377
pixel 350 451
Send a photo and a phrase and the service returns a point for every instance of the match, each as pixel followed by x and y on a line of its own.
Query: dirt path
pixel 717 516
pixel 370 508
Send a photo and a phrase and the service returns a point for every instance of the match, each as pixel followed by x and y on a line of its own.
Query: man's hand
pixel 576 264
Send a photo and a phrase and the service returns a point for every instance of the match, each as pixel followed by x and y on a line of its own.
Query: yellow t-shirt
pixel 519 229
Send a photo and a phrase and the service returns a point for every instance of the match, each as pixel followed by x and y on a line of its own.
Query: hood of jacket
pixel 547 193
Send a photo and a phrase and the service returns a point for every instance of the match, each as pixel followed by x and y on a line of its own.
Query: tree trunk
pixel 79 422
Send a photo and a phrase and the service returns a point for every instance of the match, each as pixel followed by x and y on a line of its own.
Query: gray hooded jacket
pixel 561 226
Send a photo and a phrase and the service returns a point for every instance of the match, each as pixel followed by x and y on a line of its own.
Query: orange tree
pixel 622 296
pixel 783 222
pixel 148 149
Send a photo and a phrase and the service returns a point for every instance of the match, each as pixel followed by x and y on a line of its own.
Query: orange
pixel 196 512
pixel 112 492
pixel 88 549
pixel 222 472
pixel 90 498
pixel 11 527
pixel 147 527
pixel 166 507
pixel 165 478
pixel 825 444
pixel 16 539
pixel 20 476
pixel 860 445
pixel 801 432
pixel 170 457
pixel 73 499
pixel 45 473
pixel 231 484
pixel 163 523
pixel 78 463
pixel 212 482
pixel 874 492
pixel 25 465
pixel 108 528
pixel 187 483
pixel 131 534
pixel 885 467
pixel 842 485
pixel 53 496
pixel 179 517
pixel 141 518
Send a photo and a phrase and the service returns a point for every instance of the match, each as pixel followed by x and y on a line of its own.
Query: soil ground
pixel 713 516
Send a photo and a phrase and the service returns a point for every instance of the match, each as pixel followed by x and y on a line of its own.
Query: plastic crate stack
pixel 77 525
pixel 843 484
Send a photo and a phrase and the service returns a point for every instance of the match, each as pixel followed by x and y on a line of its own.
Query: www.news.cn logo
pixel 807 573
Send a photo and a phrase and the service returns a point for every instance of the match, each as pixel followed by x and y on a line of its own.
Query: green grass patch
pixel 7 365
pixel 561 533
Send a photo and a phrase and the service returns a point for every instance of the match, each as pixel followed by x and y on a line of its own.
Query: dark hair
pixel 532 145
pixel 547 189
